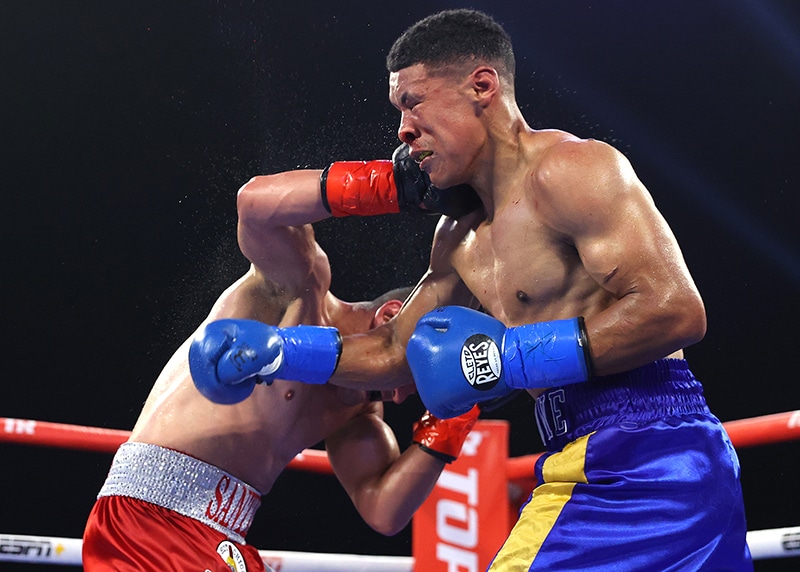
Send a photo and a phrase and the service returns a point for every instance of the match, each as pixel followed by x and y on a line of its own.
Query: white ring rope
pixel 774 542
pixel 67 552
pixel 764 544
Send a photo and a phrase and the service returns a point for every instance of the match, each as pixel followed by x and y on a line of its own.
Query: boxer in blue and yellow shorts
pixel 637 471
pixel 638 474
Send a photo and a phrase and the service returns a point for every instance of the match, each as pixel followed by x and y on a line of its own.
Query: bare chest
pixel 516 269
pixel 307 413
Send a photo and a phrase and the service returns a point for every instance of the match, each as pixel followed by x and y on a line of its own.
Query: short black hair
pixel 453 37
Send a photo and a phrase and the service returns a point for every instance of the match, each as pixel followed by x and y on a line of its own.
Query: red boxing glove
pixel 360 188
pixel 443 438
pixel 365 188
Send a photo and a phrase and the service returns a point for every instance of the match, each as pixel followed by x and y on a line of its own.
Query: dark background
pixel 127 128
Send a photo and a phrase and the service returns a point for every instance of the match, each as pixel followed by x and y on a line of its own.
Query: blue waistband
pixel 662 388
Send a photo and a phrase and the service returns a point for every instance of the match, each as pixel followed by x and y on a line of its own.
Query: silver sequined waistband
pixel 185 485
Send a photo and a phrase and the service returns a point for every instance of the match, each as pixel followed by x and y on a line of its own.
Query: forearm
pixel 374 360
pixel 377 359
pixel 385 486
pixel 636 330
pixel 389 503
pixel 409 478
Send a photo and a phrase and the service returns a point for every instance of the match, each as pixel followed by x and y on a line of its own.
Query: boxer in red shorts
pixel 182 493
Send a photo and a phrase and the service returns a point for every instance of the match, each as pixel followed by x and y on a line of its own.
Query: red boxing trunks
pixel 639 476
pixel 162 510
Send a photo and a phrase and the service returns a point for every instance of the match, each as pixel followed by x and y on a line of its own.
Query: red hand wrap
pixel 360 188
pixel 443 438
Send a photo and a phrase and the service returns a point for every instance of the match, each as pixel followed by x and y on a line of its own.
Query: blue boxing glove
pixel 460 357
pixel 228 357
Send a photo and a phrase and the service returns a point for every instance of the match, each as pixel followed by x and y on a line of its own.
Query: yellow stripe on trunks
pixel 561 472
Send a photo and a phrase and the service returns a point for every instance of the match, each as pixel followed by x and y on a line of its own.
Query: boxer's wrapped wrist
pixel 547 354
pixel 443 438
pixel 359 188
pixel 439 455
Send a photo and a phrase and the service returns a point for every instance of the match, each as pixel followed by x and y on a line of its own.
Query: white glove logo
pixel 480 362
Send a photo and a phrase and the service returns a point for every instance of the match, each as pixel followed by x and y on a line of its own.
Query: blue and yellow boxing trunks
pixel 639 475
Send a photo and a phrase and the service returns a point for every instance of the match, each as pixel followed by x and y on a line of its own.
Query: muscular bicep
pixel 360 453
pixel 599 203
pixel 274 230
pixel 626 246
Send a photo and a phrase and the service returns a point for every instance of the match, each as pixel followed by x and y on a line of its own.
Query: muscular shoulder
pixel 572 162
pixel 577 179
